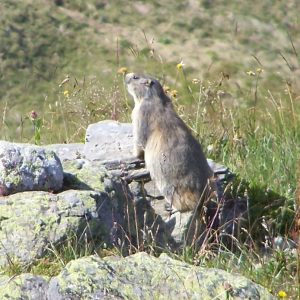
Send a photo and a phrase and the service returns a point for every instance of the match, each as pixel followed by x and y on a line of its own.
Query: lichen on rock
pixel 24 286
pixel 26 167
pixel 84 175
pixel 31 222
pixel 142 276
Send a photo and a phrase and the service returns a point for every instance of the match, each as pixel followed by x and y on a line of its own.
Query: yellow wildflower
pixel 66 93
pixel 251 73
pixel 180 65
pixel 174 93
pixel 282 294
pixel 123 71
pixel 259 70
pixel 166 88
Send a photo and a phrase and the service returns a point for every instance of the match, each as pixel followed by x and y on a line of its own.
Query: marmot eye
pixel 135 77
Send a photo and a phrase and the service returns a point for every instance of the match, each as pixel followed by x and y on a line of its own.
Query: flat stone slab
pixel 108 140
pixel 67 151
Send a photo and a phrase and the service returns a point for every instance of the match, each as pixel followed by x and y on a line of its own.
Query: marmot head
pixel 143 87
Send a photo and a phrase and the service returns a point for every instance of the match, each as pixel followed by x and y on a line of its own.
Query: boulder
pixel 105 165
pixel 24 286
pixel 26 167
pixel 141 276
pixel 34 223
pixel 109 144
pixel 180 229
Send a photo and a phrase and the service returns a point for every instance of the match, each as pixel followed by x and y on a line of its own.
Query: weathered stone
pixel 31 222
pixel 138 276
pixel 24 286
pixel 185 228
pixel 220 170
pixel 108 140
pixel 142 276
pixel 91 174
pixel 167 230
pixel 67 151
pixel 25 167
pixel 84 175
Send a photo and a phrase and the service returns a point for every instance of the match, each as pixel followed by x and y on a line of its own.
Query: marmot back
pixel 173 156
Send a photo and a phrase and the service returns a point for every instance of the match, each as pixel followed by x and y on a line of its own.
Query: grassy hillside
pixel 43 41
pixel 238 87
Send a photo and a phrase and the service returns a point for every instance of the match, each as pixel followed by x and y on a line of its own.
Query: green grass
pixel 276 273
pixel 42 42
pixel 57 256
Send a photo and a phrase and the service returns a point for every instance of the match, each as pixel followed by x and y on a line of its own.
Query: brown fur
pixel 173 156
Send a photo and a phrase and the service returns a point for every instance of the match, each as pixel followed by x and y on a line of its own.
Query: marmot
pixel 173 156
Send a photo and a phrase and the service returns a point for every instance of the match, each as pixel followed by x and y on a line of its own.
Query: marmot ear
pixel 148 82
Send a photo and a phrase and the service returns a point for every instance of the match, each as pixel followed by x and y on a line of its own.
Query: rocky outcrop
pixel 139 276
pixel 144 276
pixel 105 196
pixel 35 223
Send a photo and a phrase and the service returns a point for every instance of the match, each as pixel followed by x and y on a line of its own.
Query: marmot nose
pixel 128 77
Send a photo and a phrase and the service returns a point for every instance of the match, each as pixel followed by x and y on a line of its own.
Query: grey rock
pixel 32 223
pixel 24 286
pixel 67 151
pixel 109 144
pixel 153 230
pixel 141 276
pixel 284 244
pixel 108 140
pixel 185 228
pixel 25 167
pixel 156 223
pixel 227 216
pixel 83 174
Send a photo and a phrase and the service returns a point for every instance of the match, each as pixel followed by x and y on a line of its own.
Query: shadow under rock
pixel 72 182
